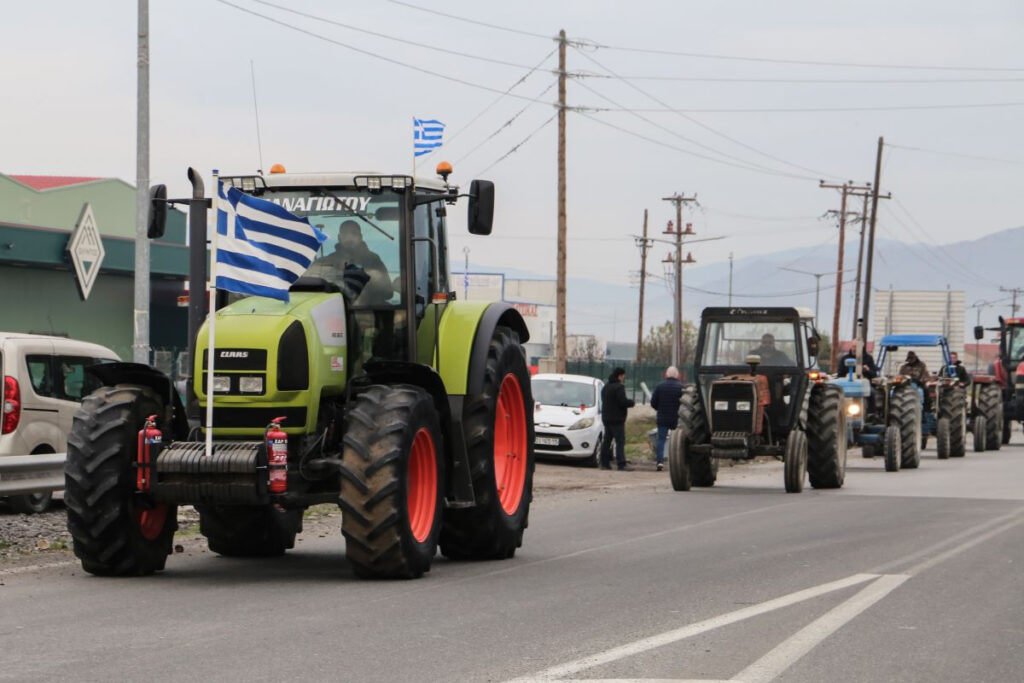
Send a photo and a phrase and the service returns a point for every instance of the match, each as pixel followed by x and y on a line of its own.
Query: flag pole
pixel 414 151
pixel 210 355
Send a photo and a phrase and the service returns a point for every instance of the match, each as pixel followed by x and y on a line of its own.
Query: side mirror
pixel 481 207
pixel 812 346
pixel 157 212
pixel 979 333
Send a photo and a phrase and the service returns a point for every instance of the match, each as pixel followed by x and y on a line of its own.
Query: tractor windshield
pixel 729 343
pixel 362 230
pixel 1015 343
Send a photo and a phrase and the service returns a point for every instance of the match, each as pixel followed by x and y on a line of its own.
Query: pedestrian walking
pixel 614 405
pixel 665 400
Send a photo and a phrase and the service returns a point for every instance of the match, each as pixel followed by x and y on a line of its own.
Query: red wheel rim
pixel 421 493
pixel 151 522
pixel 510 447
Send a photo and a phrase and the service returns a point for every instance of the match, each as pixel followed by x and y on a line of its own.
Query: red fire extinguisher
pixel 277 456
pixel 150 441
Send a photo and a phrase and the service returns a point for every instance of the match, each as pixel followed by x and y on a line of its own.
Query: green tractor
pixel 408 409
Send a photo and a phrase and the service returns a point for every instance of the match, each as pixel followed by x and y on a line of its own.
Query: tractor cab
pixel 760 356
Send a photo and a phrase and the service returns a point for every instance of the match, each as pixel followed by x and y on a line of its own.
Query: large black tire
pixel 31 504
pixel 893 447
pixel 493 528
pixel 979 433
pixel 905 413
pixel 1007 427
pixel 942 438
pixel 826 437
pixel 990 405
pixel 678 455
pixel 692 418
pixel 392 482
pixel 250 530
pixel 795 461
pixel 953 405
pixel 114 531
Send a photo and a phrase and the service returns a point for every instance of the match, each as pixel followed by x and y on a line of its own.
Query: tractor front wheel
pixel 678 456
pixel 826 437
pixel 990 404
pixel 893 448
pixel 703 468
pixel 906 415
pixel 795 461
pixel 498 424
pixel 115 531
pixel 392 482
pixel 979 432
pixel 942 438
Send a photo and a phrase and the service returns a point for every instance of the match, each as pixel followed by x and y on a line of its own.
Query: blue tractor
pixel 943 397
pixel 883 415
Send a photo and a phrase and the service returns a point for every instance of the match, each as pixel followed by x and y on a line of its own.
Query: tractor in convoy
pixel 883 416
pixel 408 409
pixel 1008 370
pixel 758 393
pixel 943 397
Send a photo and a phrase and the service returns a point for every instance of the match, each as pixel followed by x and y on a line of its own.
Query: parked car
pixel 567 419
pixel 44 381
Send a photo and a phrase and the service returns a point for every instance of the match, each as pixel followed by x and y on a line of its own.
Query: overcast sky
pixel 768 98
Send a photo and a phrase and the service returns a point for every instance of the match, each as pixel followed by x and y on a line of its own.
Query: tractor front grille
pixel 733 406
pixel 238 418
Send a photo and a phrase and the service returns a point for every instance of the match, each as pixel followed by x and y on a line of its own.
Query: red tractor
pixel 1009 371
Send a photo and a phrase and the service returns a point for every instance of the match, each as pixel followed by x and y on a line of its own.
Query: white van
pixel 44 381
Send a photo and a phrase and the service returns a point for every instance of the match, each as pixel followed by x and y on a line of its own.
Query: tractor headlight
pixel 721 405
pixel 853 409
pixel 221 384
pixel 743 406
pixel 582 423
pixel 250 385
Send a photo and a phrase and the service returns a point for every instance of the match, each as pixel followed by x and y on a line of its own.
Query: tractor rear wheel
pixel 703 468
pixel 905 413
pixel 115 531
pixel 795 462
pixel 942 434
pixel 498 424
pixel 953 405
pixel 1007 428
pixel 893 448
pixel 678 456
pixel 990 404
pixel 979 433
pixel 392 482
pixel 826 437
pixel 249 530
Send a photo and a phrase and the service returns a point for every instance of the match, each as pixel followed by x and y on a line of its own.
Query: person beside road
pixel 768 353
pixel 665 400
pixel 614 405
pixel 957 366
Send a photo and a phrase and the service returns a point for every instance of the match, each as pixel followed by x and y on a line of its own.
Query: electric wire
pixel 706 127
pixel 503 126
pixel 807 110
pixel 390 60
pixel 516 147
pixel 472 21
pixel 809 81
pixel 955 154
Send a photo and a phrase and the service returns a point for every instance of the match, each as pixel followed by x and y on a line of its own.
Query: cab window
pixel 40 373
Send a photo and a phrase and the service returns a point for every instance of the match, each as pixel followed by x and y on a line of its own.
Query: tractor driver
pixel 768 353
pixel 352 255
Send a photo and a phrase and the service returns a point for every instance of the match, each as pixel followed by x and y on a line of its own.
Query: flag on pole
pixel 426 135
pixel 261 248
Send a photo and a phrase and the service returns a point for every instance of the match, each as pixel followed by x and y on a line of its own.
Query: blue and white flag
pixel 426 135
pixel 261 248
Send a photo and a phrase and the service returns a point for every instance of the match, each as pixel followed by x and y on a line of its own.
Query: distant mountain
pixel 979 267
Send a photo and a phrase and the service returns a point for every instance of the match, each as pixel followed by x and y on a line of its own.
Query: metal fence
pixel 638 375
pixel 24 474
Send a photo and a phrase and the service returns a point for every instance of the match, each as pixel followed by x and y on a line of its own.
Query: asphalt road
pixel 908 576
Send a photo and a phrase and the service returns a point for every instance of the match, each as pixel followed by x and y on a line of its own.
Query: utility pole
pixel 846 188
pixel 1014 291
pixel 679 199
pixel 860 264
pixel 140 343
pixel 560 286
pixel 644 244
pixel 871 247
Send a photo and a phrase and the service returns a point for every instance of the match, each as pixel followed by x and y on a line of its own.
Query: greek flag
pixel 261 248
pixel 426 135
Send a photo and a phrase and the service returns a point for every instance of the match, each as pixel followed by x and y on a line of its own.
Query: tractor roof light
pixel 400 182
pixel 444 169
pixel 373 184
pixel 277 168
pixel 248 184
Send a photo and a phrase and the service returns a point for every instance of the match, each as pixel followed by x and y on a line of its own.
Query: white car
pixel 567 417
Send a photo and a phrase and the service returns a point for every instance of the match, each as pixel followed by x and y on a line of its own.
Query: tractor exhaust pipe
pixel 196 277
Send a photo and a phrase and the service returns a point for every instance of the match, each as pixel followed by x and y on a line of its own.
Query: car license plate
pixel 545 441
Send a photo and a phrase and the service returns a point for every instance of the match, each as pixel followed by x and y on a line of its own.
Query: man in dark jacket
pixel 614 405
pixel 958 368
pixel 665 400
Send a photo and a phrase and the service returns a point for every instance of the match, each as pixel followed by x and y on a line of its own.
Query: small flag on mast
pixel 261 248
pixel 426 135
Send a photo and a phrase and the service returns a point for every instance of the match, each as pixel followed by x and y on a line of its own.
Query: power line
pixel 368 53
pixel 516 147
pixel 505 125
pixel 811 81
pixel 701 124
pixel 797 110
pixel 472 21
pixel 955 154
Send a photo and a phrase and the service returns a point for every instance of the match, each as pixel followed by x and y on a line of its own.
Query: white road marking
pixel 806 639
pixel 942 557
pixel 645 644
